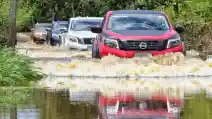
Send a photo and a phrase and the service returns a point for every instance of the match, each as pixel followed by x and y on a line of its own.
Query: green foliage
pixel 190 13
pixel 4 14
pixel 24 15
pixel 183 11
pixel 15 69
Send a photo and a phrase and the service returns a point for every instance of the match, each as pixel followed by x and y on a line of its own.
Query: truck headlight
pixel 112 43
pixel 174 42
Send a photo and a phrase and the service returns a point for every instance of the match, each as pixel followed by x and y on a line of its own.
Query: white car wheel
pixel 63 43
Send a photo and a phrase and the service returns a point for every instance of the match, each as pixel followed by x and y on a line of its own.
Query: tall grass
pixel 16 69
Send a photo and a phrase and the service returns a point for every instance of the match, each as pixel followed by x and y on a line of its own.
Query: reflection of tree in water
pixel 54 106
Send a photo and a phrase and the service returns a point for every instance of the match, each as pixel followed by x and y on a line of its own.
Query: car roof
pixel 82 18
pixel 61 22
pixel 136 12
pixel 42 24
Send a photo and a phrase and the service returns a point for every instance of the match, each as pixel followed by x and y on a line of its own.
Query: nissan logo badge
pixel 143 45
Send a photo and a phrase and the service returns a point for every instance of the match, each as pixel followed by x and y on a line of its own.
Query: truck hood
pixel 141 34
pixel 82 34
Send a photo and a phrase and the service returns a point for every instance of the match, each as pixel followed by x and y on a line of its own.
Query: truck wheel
pixel 184 51
pixel 95 52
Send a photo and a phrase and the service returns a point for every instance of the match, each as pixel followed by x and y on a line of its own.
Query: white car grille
pixel 88 40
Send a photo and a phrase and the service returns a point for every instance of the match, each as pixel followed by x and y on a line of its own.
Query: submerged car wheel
pixel 184 51
pixel 60 43
pixel 95 52
pixel 35 41
pixel 53 42
pixel 39 42
pixel 48 39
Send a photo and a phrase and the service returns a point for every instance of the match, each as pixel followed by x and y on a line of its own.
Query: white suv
pixel 79 36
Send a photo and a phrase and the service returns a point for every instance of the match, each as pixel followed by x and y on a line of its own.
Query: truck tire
pixel 95 52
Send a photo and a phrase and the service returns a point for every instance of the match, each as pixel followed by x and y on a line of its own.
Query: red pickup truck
pixel 129 33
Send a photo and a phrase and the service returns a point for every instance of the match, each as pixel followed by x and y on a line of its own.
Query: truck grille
pixel 151 45
pixel 88 40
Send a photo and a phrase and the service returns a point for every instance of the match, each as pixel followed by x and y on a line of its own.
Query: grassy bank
pixel 15 69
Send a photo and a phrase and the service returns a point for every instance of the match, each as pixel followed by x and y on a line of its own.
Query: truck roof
pixel 136 12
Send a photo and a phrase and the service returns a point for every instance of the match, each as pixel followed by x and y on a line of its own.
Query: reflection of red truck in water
pixel 130 107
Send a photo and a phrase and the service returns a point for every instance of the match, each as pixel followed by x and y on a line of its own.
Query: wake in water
pixel 167 59
pixel 169 65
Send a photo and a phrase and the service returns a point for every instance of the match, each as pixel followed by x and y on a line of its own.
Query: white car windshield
pixel 85 25
pixel 138 22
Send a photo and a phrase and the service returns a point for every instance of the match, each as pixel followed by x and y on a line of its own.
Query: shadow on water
pixel 49 104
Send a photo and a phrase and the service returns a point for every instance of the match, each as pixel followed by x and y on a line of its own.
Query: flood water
pixel 49 104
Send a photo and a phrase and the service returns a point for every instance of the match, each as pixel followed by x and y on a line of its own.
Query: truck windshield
pixel 85 25
pixel 138 22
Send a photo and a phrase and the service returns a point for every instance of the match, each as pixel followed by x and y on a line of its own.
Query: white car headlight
pixel 173 42
pixel 72 39
pixel 112 43
pixel 55 35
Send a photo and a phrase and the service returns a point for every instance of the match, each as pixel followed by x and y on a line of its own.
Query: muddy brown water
pixel 49 104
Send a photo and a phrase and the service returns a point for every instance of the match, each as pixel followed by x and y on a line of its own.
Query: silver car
pixel 79 35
